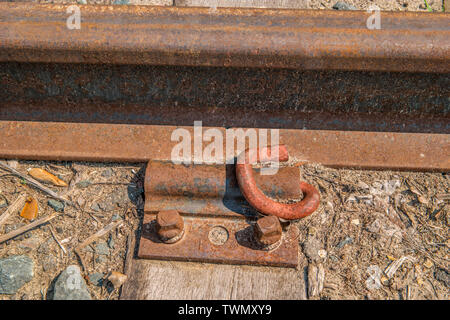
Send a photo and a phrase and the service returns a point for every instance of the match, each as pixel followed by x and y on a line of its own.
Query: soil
pixel 101 193
pixel 386 5
pixel 370 219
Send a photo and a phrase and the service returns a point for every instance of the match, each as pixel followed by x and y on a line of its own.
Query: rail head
pixel 230 37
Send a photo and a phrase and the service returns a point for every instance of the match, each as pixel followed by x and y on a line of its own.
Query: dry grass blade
pixel 18 203
pixel 28 227
pixel 393 267
pixel 34 183
pixel 443 196
pixel 57 240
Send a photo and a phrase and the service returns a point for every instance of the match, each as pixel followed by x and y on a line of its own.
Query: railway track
pixel 341 94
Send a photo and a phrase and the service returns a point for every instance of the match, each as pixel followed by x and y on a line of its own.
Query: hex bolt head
pixel 268 230
pixel 169 225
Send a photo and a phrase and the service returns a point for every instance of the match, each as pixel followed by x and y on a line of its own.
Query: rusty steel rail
pixel 300 39
pixel 139 143
pixel 340 94
pixel 115 89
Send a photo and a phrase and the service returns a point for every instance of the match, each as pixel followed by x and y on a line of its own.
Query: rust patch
pixel 211 190
pixel 139 143
pixel 240 37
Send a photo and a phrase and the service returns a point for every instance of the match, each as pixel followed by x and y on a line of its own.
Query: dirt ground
pixel 386 5
pixel 101 193
pixel 368 222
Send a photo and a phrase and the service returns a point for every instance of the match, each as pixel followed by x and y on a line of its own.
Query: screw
pixel 169 226
pixel 268 230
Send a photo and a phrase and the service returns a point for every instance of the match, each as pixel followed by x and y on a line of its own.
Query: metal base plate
pixel 218 240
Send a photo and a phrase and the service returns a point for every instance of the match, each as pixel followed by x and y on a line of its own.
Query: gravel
pixel 102 249
pixel 443 276
pixel 83 184
pixel 107 173
pixel 56 205
pixel 70 285
pixel 96 278
pixel 311 248
pixel 111 242
pixel 15 271
pixel 95 207
pixel 340 5
pixel 347 240
pixel 49 263
pixel 11 227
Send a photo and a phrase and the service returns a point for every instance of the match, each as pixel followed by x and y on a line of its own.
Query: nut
pixel 268 230
pixel 169 225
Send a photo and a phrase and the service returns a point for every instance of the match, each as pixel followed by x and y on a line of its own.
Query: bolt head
pixel 268 230
pixel 169 224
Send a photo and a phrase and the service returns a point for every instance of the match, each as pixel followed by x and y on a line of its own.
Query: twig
pixel 56 239
pixel 34 183
pixel 434 289
pixel 12 208
pixel 92 238
pixel 26 228
pixel 81 259
pixel 99 234
pixel 109 183
pixel 91 214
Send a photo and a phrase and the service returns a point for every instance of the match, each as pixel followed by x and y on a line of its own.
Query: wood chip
pixel 131 242
pixel 428 263
pixel 117 279
pixel 45 176
pixel 409 215
pixel 422 200
pixel 30 209
pixel 316 277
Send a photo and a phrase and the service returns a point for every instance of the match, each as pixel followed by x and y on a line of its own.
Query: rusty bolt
pixel 268 230
pixel 169 225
